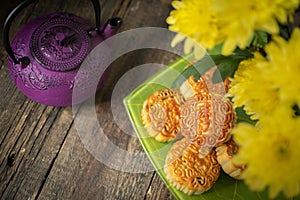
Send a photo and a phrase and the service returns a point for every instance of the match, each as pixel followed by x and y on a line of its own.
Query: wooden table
pixel 41 154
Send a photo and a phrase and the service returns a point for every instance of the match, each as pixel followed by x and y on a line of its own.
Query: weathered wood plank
pixel 43 155
pixel 51 161
pixel 36 151
pixel 96 180
pixel 77 172
pixel 158 190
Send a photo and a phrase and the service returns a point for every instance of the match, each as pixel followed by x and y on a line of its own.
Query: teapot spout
pixel 111 27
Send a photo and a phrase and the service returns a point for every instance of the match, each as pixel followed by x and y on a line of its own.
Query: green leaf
pixel 217 50
pixel 197 69
pixel 259 40
pixel 243 117
pixel 227 65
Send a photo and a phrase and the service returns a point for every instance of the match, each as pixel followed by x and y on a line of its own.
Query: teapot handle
pixel 24 61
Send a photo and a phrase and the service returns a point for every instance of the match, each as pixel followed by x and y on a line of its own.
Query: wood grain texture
pixel 157 190
pixel 50 161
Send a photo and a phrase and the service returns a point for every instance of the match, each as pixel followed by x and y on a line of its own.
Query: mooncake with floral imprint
pixel 203 116
pixel 190 87
pixel 218 89
pixel 161 114
pixel 205 86
pixel 189 173
pixel 225 153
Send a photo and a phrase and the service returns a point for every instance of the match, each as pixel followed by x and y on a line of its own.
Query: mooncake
pixel 212 118
pixel 205 86
pixel 190 87
pixel 225 153
pixel 189 173
pixel 161 114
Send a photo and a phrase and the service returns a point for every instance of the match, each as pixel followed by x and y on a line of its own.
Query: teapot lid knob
pixel 60 44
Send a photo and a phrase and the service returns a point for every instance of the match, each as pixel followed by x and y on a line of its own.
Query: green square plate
pixel 225 187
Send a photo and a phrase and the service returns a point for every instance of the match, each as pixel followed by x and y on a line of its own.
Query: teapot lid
pixel 60 44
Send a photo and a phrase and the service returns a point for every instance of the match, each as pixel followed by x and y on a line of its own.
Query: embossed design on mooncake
pixel 225 153
pixel 189 173
pixel 204 86
pixel 158 116
pixel 161 114
pixel 212 118
pixel 191 87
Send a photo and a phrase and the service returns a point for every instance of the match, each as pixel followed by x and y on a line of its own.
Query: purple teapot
pixel 45 55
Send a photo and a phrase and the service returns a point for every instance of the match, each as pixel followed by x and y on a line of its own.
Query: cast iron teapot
pixel 45 55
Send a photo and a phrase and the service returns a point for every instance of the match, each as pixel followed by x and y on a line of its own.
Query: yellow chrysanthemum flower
pixel 231 22
pixel 271 153
pixel 239 19
pixel 283 57
pixel 249 88
pixel 261 84
pixel 195 23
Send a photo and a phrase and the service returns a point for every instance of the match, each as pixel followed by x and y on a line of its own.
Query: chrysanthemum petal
pixel 228 47
pixel 178 4
pixel 171 20
pixel 199 51
pixel 177 39
pixel 270 26
pixel 188 45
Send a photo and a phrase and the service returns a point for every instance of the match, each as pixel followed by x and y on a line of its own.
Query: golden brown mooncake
pixel 212 118
pixel 161 114
pixel 204 86
pixel 225 153
pixel 190 87
pixel 189 173
pixel 219 89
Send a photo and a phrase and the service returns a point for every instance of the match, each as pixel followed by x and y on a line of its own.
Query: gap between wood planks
pixel 149 186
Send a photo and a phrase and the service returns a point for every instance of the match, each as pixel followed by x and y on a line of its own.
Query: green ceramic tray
pixel 225 187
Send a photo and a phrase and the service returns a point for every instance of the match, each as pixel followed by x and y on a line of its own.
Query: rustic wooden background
pixel 41 154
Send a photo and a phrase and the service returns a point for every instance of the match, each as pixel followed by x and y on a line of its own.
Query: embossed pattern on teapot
pixel 46 53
